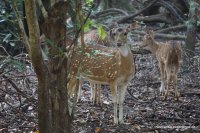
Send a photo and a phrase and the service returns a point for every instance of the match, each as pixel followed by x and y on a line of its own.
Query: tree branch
pixel 153 18
pixel 124 19
pixel 44 12
pixel 172 9
pixel 21 26
pixel 108 10
pixel 177 27
pixel 163 36
pixel 34 35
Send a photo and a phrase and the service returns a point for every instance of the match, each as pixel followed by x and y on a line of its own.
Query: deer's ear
pixel 151 33
pixel 148 31
pixel 112 33
pixel 115 25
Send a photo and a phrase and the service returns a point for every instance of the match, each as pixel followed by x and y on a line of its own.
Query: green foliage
pixel 88 25
pixel 13 63
pixel 89 2
pixel 101 33
pixel 91 23
pixel 9 37
pixel 17 65
pixel 87 7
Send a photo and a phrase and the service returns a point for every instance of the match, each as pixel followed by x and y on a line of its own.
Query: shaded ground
pixel 143 109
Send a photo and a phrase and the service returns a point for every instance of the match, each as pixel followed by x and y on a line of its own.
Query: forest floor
pixel 144 111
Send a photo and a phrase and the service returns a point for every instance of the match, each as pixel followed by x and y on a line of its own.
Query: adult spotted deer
pixel 169 57
pixel 106 65
pixel 92 38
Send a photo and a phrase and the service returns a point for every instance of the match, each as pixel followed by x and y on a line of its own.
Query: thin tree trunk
pixel 55 32
pixel 52 76
pixel 45 122
pixel 191 33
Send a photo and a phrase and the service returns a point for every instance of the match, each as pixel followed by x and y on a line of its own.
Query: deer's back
pixel 101 64
pixel 169 53
pixel 95 63
pixel 93 38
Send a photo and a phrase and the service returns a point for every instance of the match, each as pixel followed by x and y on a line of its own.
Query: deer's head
pixel 148 39
pixel 120 35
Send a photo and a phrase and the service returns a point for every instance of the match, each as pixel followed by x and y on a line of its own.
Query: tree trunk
pixel 191 33
pixel 52 76
pixel 55 32
pixel 39 67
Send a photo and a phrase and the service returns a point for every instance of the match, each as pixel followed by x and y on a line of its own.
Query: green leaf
pixel 18 65
pixel 101 32
pixel 89 2
pixel 7 38
pixel 87 25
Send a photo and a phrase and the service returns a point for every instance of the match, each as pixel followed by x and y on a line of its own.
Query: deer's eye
pixel 125 33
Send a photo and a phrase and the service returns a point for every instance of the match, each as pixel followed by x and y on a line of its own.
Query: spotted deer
pixel 106 65
pixel 169 58
pixel 92 38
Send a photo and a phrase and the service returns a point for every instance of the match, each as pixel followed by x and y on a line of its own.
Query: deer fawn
pixel 106 65
pixel 169 57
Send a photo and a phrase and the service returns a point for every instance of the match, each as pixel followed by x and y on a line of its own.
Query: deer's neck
pixel 154 47
pixel 124 50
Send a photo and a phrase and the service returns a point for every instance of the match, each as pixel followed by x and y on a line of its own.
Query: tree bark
pixel 55 32
pixel 39 67
pixel 52 76
pixel 191 32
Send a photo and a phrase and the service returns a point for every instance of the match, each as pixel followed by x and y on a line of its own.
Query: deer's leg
pixel 92 98
pixel 122 91
pixel 113 89
pixel 79 89
pixel 98 94
pixel 71 86
pixel 162 75
pixel 167 82
pixel 175 85
pixel 95 94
